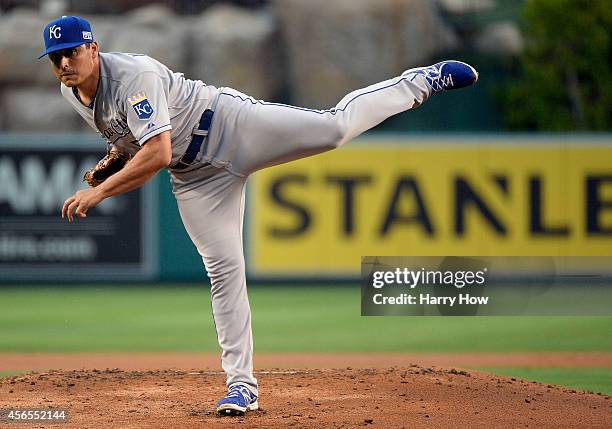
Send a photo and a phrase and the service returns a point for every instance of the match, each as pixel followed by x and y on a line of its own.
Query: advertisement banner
pixel 114 242
pixel 549 196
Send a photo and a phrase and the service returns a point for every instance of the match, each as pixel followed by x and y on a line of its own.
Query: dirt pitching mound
pixel 408 397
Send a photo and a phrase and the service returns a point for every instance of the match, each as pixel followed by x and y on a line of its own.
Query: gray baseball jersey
pixel 138 98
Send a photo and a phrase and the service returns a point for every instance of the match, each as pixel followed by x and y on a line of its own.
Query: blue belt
pixel 199 135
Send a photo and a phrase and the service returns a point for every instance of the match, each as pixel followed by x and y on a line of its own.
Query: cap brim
pixel 60 47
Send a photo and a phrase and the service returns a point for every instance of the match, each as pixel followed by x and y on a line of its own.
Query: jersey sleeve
pixel 146 107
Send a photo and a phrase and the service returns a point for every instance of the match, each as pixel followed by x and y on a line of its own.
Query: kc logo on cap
pixel 55 32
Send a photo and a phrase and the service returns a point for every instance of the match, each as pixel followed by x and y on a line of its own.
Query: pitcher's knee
pixel 229 269
pixel 337 136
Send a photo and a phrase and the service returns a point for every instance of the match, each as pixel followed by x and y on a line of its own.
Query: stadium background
pixel 537 124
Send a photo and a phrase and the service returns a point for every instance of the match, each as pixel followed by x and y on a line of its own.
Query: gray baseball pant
pixel 245 136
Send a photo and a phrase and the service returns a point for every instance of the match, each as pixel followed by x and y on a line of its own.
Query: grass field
pixel 591 379
pixel 285 318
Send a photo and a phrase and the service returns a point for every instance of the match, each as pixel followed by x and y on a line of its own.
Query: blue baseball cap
pixel 66 32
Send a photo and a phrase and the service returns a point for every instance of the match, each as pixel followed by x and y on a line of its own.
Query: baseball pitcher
pixel 210 139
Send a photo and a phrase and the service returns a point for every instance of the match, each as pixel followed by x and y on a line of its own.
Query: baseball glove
pixel 106 167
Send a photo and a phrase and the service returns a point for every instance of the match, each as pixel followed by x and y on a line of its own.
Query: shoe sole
pixel 235 410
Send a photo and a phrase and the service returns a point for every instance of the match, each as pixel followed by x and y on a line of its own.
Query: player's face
pixel 74 65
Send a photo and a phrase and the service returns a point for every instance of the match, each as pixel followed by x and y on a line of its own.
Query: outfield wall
pixel 420 195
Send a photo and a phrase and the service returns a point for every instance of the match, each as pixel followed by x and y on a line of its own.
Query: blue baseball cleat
pixel 238 400
pixel 446 75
